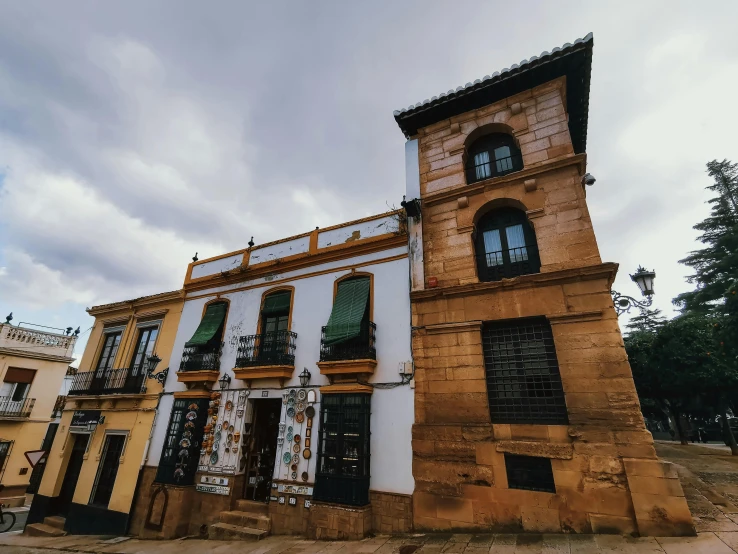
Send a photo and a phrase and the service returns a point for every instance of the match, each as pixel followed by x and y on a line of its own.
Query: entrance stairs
pixel 249 521
pixel 53 526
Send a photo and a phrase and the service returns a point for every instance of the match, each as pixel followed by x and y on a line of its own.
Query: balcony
pixel 16 408
pixel 506 264
pixel 268 355
pixel 200 364
pixel 353 357
pixel 493 168
pixel 111 381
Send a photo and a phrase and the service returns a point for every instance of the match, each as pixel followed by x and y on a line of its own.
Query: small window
pixel 523 380
pixel 20 391
pixel 144 348
pixel 506 245
pixel 529 473
pixel 108 470
pixel 342 475
pixel 491 156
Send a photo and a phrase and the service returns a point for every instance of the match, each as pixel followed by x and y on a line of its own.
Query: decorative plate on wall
pixel 191 415
pixel 302 394
pixel 184 443
pixel 290 412
pixel 296 449
pixel 306 453
pixel 293 467
pixel 299 417
pixel 297 438
pixel 291 401
pixel 229 406
pixel 214 458
pixel 287 458
pixel 304 475
pixel 295 458
pixel 193 406
pixel 289 436
pixel 300 406
pixel 293 393
pixel 294 475
pixel 234 449
pixel 310 411
pixel 289 429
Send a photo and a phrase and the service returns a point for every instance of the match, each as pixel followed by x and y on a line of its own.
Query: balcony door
pixel 105 362
pixel 71 476
pixel 144 348
pixel 275 318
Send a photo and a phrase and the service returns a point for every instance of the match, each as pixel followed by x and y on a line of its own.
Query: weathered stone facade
pixel 606 472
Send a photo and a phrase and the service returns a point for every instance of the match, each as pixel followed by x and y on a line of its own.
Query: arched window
pixel 491 156
pixel 506 245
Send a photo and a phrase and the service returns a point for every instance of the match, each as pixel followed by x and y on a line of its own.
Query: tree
pixel 647 320
pixel 716 264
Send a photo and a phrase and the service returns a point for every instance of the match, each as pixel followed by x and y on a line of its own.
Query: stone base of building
pixel 391 512
pixel 336 522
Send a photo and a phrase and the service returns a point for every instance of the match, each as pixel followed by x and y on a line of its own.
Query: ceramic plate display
pixel 287 458
pixel 289 429
pixel 193 406
pixel 217 436
pixel 291 401
pixel 293 467
pixel 297 438
pixel 189 425
pixel 299 417
pixel 230 428
pixel 306 454
pixel 234 449
pixel 178 473
pixel 290 412
pixel 225 424
pixel 289 436
pixel 214 458
pixel 216 446
pixel 294 475
pixel 310 411
pixel 284 400
pixel 296 449
pixel 236 436
pixel 293 393
pixel 187 434
pixel 300 406
pixel 304 476
pixel 310 422
pixel 307 443
pixel 302 394
pixel 239 413
pixel 295 458
pixel 184 443
pixel 191 415
pixel 184 453
pixel 229 406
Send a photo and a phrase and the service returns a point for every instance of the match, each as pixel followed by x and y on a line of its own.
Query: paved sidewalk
pixel 705 543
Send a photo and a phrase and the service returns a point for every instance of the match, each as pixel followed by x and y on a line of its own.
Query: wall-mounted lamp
pixel 224 381
pixel 304 377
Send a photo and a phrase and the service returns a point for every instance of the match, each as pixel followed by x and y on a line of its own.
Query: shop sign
pixel 80 418
pixel 209 480
pixel 292 489
pixel 213 489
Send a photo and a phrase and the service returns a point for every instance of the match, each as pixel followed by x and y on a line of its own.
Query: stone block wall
pixel 458 453
pixel 290 520
pixel 335 522
pixel 391 513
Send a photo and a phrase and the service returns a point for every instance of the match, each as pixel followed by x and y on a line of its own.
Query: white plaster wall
pixel 216 266
pixel 365 230
pixel 412 170
pixel 392 410
pixel 280 250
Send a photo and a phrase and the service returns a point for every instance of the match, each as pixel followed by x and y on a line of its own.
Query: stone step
pixel 55 521
pixel 247 519
pixel 43 530
pixel 228 532
pixel 252 506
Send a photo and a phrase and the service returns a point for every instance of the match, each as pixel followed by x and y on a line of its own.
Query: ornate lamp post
pixel 153 361
pixel 644 279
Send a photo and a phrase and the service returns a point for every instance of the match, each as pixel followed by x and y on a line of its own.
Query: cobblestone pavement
pixel 712 543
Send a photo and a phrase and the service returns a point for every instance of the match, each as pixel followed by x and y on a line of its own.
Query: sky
pixel 134 134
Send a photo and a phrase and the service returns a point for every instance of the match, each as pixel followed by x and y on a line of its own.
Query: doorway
pixel 72 474
pixel 261 442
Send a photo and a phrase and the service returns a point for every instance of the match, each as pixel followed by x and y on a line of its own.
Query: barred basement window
pixel 523 380
pixel 342 474
pixel 529 473
pixel 178 462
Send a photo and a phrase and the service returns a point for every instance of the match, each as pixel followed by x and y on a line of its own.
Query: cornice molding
pixel 35 355
pixel 460 327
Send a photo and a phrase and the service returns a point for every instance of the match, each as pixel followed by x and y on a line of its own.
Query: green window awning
pixel 276 303
pixel 348 311
pixel 211 322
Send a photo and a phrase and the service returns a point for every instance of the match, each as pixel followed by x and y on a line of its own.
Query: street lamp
pixel 151 363
pixel 304 377
pixel 224 381
pixel 644 279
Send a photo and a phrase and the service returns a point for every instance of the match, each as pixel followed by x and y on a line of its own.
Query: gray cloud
pixel 134 134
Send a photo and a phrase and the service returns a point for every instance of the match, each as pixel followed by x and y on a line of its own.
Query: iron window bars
pixel 201 357
pixel 529 473
pixel 359 348
pixel 181 451
pixel 342 474
pixel 277 348
pixel 111 381
pixel 523 380
pixel 16 408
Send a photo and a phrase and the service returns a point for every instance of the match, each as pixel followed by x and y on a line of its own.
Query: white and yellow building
pixel 104 432
pixel 33 365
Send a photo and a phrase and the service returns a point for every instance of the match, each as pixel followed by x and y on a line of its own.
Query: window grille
pixel 523 380
pixel 342 474
pixel 181 451
pixel 529 473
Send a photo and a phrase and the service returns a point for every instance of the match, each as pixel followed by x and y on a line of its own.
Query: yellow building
pixel 32 368
pixel 102 442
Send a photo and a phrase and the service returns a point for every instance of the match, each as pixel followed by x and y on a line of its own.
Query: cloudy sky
pixel 133 134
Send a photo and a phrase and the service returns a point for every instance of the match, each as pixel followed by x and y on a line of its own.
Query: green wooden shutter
pixel 211 322
pixel 348 311
pixel 278 302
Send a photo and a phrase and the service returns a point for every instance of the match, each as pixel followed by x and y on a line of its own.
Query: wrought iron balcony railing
pixel 16 408
pixel 358 348
pixel 277 348
pixel 111 381
pixel 493 168
pixel 505 264
pixel 197 358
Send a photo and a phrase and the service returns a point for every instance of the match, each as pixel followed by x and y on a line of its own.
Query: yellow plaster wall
pixel 29 434
pixel 56 463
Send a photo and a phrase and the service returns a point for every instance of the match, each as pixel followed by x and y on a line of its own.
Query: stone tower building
pixel 526 415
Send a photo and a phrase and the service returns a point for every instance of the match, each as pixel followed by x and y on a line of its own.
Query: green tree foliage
pixel 647 320
pixel 716 264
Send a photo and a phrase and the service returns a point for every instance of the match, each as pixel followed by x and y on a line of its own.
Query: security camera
pixel 588 179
